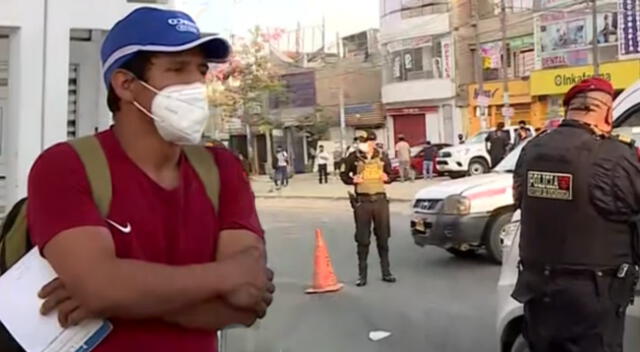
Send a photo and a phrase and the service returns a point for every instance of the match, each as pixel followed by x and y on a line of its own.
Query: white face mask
pixel 180 112
pixel 364 147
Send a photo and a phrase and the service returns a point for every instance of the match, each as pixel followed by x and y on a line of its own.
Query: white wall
pixel 423 89
pixel 39 56
pixel 23 19
pixel 393 28
pixel 65 15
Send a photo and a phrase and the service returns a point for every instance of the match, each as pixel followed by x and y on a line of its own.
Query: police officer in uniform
pixel 367 169
pixel 578 188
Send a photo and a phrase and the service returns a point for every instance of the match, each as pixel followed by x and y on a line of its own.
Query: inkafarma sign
pixel 621 74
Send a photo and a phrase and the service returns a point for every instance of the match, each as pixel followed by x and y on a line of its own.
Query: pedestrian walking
pixel 281 174
pixel 429 152
pixel 167 266
pixel 323 162
pixel 578 248
pixel 338 158
pixel 368 172
pixel 403 153
pixel 498 144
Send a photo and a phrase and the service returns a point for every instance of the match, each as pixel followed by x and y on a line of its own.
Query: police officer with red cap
pixel 368 169
pixel 578 188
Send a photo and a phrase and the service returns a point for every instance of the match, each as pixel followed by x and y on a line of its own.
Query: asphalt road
pixel 439 304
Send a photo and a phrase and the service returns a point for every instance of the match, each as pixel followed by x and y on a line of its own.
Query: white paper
pixel 20 311
pixel 378 335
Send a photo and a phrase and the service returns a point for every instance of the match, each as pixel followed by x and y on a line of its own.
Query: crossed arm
pixel 235 289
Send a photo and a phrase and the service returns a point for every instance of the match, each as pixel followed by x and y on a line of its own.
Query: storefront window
pixel 416 58
pixel 520 58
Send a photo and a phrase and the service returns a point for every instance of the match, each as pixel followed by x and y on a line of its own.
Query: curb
pixel 328 198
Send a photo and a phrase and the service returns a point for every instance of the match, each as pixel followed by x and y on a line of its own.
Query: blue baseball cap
pixel 157 30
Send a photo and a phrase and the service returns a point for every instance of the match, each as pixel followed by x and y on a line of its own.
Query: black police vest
pixel 559 226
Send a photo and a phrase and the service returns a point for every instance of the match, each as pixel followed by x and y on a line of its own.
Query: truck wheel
pixel 520 345
pixel 492 240
pixel 470 253
pixel 478 167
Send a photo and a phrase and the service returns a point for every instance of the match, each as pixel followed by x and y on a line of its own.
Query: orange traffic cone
pixel 324 279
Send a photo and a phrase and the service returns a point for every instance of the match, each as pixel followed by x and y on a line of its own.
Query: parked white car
pixel 466 215
pixel 510 316
pixel 471 158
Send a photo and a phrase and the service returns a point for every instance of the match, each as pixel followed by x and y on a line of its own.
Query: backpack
pixel 14 234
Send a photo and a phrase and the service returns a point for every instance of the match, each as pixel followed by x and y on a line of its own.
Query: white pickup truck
pixel 466 215
pixel 471 158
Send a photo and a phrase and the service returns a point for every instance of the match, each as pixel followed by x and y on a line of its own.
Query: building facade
pixel 564 39
pixel 419 72
pixel 50 84
pixel 549 49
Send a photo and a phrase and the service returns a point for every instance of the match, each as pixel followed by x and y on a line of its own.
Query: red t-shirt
pixel 174 227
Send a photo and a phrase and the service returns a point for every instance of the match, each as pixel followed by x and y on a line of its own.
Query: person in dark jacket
pixel 498 144
pixel 578 188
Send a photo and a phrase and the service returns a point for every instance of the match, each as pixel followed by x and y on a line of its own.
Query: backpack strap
pixel 14 242
pixel 97 169
pixel 203 162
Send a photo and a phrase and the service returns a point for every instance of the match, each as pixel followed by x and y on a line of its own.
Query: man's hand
pixel 252 297
pixel 249 283
pixel 384 177
pixel 357 179
pixel 56 297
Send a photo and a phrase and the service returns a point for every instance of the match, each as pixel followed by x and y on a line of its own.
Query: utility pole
pixel 505 62
pixel 479 71
pixel 324 31
pixel 341 96
pixel 594 25
pixel 298 39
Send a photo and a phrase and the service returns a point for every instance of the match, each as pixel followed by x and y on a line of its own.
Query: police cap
pixel 589 85
pixel 365 136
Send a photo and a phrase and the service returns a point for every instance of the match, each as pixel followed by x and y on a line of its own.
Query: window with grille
pixel 72 108
pixel 4 73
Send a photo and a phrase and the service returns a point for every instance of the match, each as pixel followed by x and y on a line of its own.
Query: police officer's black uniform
pixel 578 193
pixel 370 205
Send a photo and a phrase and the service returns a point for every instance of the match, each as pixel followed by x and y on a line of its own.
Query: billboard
pixel 629 20
pixel 565 38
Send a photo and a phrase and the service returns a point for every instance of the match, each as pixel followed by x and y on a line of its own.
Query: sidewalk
pixel 305 186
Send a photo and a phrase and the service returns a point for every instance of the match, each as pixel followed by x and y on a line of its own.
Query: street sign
pixel 483 100
pixel 508 111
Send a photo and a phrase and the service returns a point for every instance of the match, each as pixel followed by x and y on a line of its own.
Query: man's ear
pixel 122 83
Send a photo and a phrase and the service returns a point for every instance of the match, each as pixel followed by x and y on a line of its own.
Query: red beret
pixel 589 85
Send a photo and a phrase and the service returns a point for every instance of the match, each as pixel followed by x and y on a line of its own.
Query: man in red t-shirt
pixel 164 267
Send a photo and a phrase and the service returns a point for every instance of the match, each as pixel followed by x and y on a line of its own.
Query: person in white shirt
pixel 323 160
pixel 282 163
pixel 403 153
